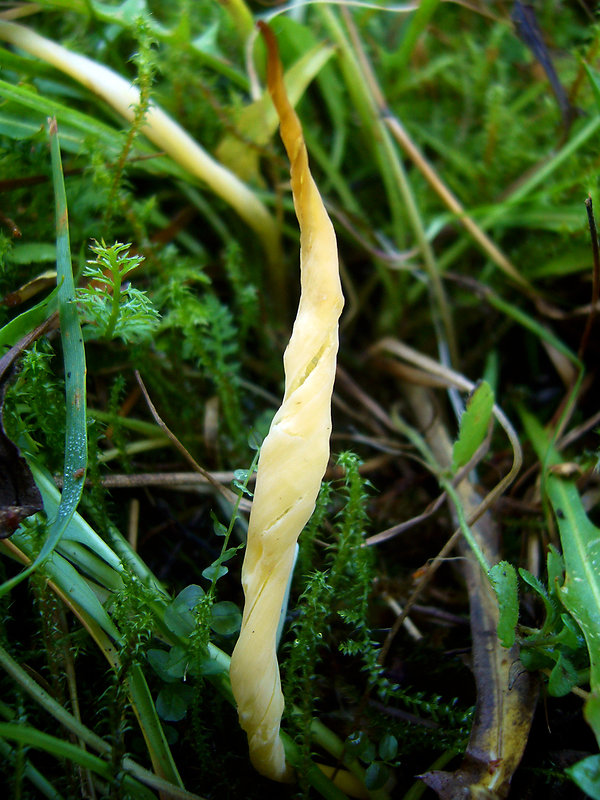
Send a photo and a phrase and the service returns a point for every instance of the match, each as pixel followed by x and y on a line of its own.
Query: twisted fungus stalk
pixel 294 454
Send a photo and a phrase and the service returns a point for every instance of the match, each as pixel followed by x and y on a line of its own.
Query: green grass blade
pixel 583 135
pixel 61 715
pixel 30 736
pixel 67 578
pixel 78 529
pixel 414 29
pixel 77 128
pixel 33 738
pixel 580 541
pixel 44 787
pixel 75 463
pixel 150 725
pixel 20 326
pixel 528 322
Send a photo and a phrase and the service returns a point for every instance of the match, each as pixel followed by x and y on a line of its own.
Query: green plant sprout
pixel 111 308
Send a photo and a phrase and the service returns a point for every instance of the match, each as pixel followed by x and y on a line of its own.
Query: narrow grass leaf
pixel 580 593
pixel 474 425
pixel 151 728
pixel 75 463
pixel 504 582
pixel 78 530
pixel 413 31
pixel 70 582
pixel 594 83
pixel 20 326
pixel 77 128
pixel 9 756
pixel 49 704
pixel 33 738
pixel 580 540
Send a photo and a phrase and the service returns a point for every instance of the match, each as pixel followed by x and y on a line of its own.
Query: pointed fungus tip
pixel 273 63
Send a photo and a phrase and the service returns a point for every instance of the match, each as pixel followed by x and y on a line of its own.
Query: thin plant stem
pixel 595 278
pixel 358 75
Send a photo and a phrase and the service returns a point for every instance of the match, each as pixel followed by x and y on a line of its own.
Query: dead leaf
pixel 506 694
pixel 19 495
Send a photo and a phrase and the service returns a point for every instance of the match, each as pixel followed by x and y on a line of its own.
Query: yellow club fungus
pixel 294 454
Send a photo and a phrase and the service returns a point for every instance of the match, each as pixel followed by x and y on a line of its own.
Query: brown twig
pixel 230 496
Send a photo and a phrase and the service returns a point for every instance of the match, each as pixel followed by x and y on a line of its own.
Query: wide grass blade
pixel 580 540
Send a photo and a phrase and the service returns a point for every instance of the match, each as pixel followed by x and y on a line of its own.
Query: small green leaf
pixel 570 636
pixel 177 661
pixel 179 615
pixel 225 618
pixel 218 527
pixel 34 252
pixel 474 425
pixel 580 592
pixel 75 460
pixel 504 582
pixel 214 572
pixel 550 604
pixel 562 678
pixel 388 747
pixel 158 660
pixel 586 774
pixel 533 659
pixel 207 667
pixel 240 481
pixel 173 701
pixel 376 776
pixel 359 746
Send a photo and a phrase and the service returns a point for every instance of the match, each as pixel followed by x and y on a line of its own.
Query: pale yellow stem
pixel 293 456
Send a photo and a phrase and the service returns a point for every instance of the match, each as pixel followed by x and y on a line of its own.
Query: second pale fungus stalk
pixel 294 454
